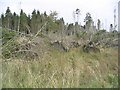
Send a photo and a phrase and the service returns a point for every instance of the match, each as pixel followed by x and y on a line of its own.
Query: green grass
pixel 63 70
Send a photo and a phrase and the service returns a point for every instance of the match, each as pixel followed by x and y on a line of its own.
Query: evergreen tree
pixel 38 20
pixel 29 20
pixel 60 24
pixel 23 22
pixel 8 18
pixel 3 21
pixel 45 15
pixel 15 21
pixel 34 22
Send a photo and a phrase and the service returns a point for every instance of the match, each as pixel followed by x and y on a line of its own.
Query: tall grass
pixel 63 70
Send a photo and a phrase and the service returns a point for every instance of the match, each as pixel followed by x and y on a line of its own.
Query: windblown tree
pixel 77 27
pixel 53 15
pixel 89 26
pixel 98 24
pixel 88 21
pixel 51 22
pixel 111 27
pixel 70 29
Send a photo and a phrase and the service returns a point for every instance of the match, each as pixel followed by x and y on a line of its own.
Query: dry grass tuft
pixel 63 70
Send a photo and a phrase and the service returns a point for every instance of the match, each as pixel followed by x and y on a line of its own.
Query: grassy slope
pixel 64 69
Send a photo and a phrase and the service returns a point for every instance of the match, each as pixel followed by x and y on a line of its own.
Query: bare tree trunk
pixel 18 25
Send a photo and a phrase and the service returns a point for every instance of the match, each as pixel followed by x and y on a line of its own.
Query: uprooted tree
pixel 46 28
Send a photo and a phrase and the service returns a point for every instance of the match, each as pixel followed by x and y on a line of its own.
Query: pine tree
pixel 33 22
pixel 15 19
pixel 3 21
pixel 23 22
pixel 29 20
pixel 8 18
pixel 38 20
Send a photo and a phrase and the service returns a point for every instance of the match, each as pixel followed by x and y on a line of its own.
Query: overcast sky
pixel 99 9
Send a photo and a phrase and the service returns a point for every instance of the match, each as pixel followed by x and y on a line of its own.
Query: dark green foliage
pixel 2 20
pixel 100 35
pixel 8 18
pixel 23 22
pixel 15 19
pixel 113 80
pixel 81 34
pixel 70 26
pixel 9 49
pixel 9 44
pixel 7 35
pixel 29 19
pixel 32 23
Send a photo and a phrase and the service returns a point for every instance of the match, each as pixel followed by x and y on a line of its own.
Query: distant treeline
pixel 30 23
pixel 34 22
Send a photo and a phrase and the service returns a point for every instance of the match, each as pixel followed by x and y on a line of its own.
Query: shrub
pixel 7 35
pixel 9 45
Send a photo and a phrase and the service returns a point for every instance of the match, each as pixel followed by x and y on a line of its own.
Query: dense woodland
pixel 32 23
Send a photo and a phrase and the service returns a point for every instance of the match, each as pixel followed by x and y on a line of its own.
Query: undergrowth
pixel 63 70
